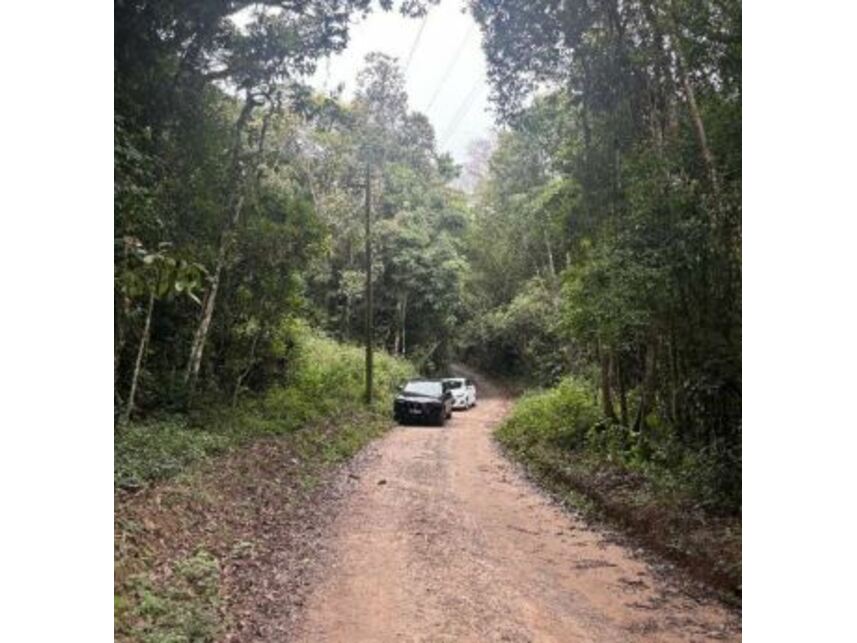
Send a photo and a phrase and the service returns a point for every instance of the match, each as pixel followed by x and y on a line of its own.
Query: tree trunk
pixel 404 325
pixel 666 85
pixel 606 393
pixel 118 341
pixel 401 309
pixel 121 312
pixel 347 320
pixel 698 125
pixel 673 356
pixel 623 393
pixel 236 192
pixel 201 334
pixel 647 385
pixel 690 94
pixel 551 266
pixel 246 371
pixel 138 364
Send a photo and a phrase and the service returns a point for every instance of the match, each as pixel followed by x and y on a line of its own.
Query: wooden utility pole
pixel 370 327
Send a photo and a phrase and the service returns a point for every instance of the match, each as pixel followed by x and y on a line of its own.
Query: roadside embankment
pixel 216 514
pixel 560 439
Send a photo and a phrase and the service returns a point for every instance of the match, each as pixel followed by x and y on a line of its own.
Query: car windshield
pixel 424 388
pixel 454 384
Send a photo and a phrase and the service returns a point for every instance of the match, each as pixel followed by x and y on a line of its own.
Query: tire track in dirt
pixel 442 539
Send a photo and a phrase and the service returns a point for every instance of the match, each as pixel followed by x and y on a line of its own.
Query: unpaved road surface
pixel 442 539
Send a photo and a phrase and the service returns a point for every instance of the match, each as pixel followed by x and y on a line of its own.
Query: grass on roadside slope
pixel 559 436
pixel 325 382
pixel 217 493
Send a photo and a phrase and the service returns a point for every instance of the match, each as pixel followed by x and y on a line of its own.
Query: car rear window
pixel 424 388
pixel 454 384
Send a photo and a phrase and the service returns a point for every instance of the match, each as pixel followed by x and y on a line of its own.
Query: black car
pixel 423 400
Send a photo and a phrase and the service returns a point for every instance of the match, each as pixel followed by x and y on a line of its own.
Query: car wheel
pixel 441 417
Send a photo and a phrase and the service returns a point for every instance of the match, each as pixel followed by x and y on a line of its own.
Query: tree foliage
pixel 602 238
pixel 238 198
pixel 615 190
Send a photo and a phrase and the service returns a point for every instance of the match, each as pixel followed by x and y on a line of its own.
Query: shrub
pixel 676 499
pixel 560 416
pixel 325 380
pixel 566 421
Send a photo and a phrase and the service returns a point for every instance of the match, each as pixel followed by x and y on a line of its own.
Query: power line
pixel 460 113
pixel 416 42
pixel 451 65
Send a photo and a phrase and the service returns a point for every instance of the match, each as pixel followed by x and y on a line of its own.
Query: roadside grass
pixel 198 497
pixel 560 438
pixel 326 383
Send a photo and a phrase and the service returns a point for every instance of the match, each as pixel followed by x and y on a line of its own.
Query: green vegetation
pixel 599 251
pixel 560 417
pixel 666 497
pixel 241 197
pixel 184 608
pixel 612 201
pixel 240 203
pixel 318 419
pixel 325 384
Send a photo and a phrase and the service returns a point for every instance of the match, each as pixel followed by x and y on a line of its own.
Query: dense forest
pixel 602 238
pixel 240 198
pixel 613 202
pixel 589 252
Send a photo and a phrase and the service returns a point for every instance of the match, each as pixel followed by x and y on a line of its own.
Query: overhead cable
pixel 450 67
pixel 460 113
pixel 416 42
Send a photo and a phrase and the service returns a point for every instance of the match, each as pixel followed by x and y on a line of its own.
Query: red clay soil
pixel 429 534
pixel 255 511
pixel 442 539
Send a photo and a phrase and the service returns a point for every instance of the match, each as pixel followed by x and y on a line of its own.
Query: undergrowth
pixel 325 383
pixel 182 608
pixel 317 417
pixel 648 485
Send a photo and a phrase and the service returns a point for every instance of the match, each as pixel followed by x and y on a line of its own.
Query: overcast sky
pixel 456 106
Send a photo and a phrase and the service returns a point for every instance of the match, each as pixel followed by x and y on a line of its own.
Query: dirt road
pixel 443 540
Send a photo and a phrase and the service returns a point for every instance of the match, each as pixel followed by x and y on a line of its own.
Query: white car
pixel 463 392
